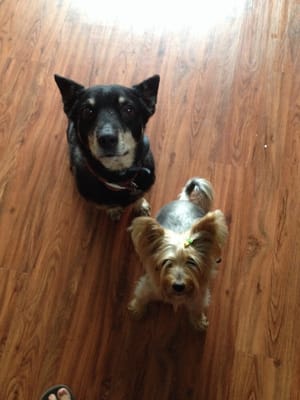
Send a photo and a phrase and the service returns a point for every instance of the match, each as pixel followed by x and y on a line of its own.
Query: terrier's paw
pixel 200 323
pixel 137 309
pixel 115 213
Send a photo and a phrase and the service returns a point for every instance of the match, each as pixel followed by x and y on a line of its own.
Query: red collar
pixel 115 187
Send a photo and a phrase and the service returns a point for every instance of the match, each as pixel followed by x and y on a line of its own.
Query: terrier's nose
pixel 178 287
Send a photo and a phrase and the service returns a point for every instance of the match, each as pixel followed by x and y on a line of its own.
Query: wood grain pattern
pixel 228 110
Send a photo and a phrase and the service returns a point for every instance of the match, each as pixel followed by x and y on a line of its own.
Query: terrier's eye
pixel 191 263
pixel 87 113
pixel 166 263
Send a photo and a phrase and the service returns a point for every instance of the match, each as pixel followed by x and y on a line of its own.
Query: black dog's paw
pixel 115 213
pixel 142 208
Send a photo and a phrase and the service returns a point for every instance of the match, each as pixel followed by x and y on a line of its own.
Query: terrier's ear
pixel 208 234
pixel 147 91
pixel 70 91
pixel 146 234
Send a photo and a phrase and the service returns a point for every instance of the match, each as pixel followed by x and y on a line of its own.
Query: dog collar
pixel 129 185
pixel 116 187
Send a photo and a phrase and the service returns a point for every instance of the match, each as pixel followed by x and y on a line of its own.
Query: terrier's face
pixel 180 265
pixel 178 270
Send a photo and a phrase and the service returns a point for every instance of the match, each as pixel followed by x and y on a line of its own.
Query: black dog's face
pixel 109 120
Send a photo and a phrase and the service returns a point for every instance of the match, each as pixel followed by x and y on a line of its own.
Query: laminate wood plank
pixel 258 376
pixel 228 110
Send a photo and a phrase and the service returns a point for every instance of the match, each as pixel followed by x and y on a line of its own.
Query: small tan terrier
pixel 180 250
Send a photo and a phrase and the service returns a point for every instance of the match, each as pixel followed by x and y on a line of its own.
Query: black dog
pixel 110 155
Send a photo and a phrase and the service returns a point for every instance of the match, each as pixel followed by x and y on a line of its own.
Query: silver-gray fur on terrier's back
pixel 193 202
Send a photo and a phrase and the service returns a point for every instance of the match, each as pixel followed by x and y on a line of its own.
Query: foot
pixel 62 394
pixel 115 213
pixel 142 208
pixel 200 323
pixel 137 308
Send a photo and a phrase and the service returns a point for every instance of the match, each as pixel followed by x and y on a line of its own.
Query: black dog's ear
pixel 69 90
pixel 147 90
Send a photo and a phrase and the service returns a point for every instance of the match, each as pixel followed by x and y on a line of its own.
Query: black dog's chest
pixel 102 187
pixel 111 194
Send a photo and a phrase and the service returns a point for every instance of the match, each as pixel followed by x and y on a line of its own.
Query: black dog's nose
pixel 108 141
pixel 107 137
pixel 178 287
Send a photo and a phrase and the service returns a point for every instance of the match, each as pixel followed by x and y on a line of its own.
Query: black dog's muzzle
pixel 107 137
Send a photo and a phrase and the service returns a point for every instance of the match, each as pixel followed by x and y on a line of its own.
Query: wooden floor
pixel 228 110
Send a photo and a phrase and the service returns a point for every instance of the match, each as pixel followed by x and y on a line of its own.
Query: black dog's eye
pixel 87 113
pixel 128 110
